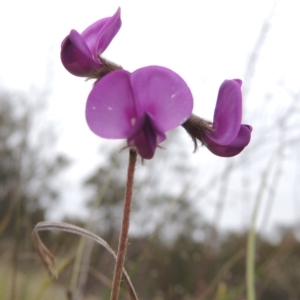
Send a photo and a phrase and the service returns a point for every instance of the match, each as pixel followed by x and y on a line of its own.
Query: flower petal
pixel 99 35
pixel 228 113
pixel 80 53
pixel 236 146
pixel 133 106
pixel 163 94
pixel 76 56
pixel 110 108
pixel 145 136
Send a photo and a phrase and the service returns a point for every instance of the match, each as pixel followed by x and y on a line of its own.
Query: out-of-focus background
pixel 191 212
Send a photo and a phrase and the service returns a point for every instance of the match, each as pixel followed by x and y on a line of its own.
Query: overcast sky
pixel 204 41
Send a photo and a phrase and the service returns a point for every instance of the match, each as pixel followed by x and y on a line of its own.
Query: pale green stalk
pixel 82 242
pixel 251 241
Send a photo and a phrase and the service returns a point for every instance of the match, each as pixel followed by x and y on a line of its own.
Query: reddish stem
pixel 125 226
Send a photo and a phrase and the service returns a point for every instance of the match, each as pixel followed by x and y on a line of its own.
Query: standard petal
pixel 228 112
pixel 76 56
pixel 238 144
pixel 99 35
pixel 110 109
pixel 163 94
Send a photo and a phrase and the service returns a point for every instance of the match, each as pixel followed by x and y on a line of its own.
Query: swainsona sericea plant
pixel 141 106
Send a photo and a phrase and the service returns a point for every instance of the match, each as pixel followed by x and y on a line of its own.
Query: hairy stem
pixel 125 226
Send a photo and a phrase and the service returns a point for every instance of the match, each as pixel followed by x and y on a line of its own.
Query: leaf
pixel 48 259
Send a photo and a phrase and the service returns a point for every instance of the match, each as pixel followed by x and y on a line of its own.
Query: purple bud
pixel 80 53
pixel 226 136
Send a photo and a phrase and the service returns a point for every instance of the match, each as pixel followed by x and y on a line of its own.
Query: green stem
pixel 76 275
pixel 251 240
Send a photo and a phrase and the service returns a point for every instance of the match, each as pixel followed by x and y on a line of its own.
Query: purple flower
pixel 80 53
pixel 139 106
pixel 226 136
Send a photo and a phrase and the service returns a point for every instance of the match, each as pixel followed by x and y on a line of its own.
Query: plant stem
pixel 251 240
pixel 125 227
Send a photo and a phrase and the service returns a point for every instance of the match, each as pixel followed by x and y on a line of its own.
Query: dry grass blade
pixel 45 255
pixel 48 258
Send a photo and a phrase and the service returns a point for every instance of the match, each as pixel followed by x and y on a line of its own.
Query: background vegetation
pixel 174 253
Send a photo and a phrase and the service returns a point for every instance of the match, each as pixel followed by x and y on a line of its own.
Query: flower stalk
pixel 125 226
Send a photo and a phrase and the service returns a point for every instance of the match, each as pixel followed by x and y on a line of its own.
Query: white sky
pixel 204 41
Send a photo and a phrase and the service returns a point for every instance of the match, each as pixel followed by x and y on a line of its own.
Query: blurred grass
pixel 161 271
pixel 27 283
pixel 32 283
